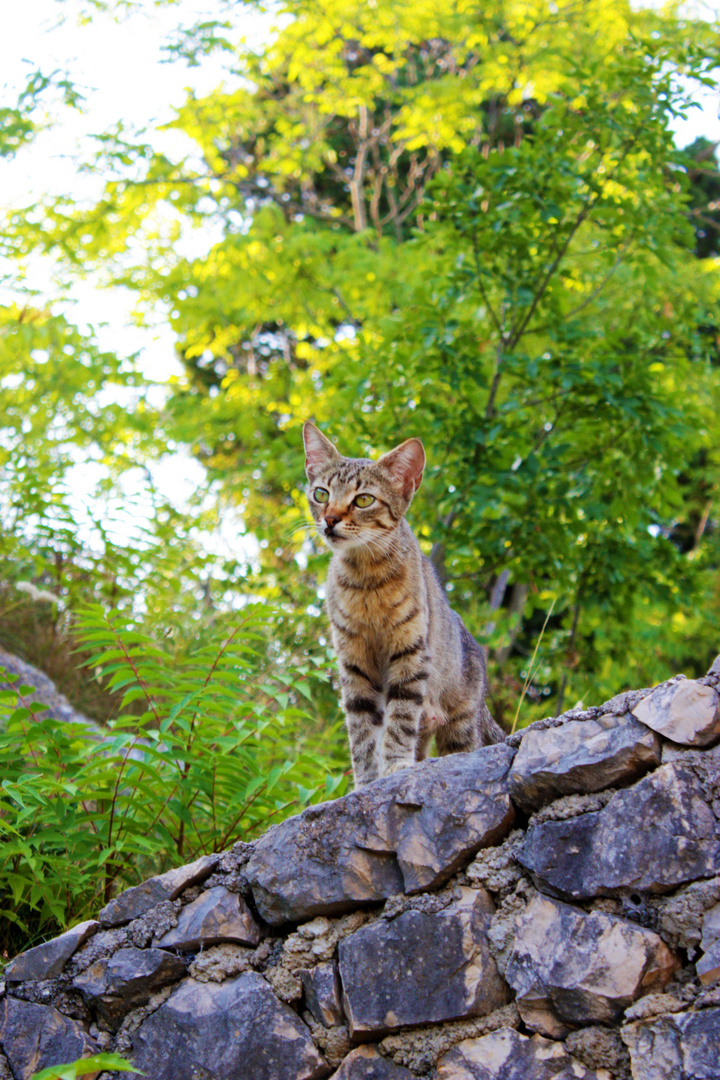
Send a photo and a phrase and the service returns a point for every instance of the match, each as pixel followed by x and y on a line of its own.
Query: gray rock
pixel 686 712
pixel 421 968
pixel 238 1028
pixel 582 756
pixel 214 917
pixel 658 834
pixel 119 983
pixel 681 1046
pixel 714 669
pixel 321 985
pixel 366 1063
pixel 570 968
pixel 34 1037
pixel 507 1055
pixel 47 960
pixel 708 966
pixel 140 898
pixel 404 833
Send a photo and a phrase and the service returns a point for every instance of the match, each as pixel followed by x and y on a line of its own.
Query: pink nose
pixel 331 521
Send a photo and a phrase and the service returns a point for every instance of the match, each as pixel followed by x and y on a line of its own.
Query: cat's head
pixel 356 502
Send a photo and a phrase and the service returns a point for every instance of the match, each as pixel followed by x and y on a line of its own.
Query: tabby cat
pixel 408 666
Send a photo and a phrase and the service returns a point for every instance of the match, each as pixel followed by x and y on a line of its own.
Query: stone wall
pixel 544 909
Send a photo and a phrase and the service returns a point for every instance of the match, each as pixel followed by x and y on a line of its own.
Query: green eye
pixel 321 495
pixel 364 500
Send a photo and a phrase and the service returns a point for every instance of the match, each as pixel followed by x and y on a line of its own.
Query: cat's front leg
pixel 405 701
pixel 363 707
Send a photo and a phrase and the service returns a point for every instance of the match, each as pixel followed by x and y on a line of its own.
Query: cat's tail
pixel 490 732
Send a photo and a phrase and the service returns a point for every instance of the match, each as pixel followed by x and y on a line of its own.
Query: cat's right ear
pixel 319 451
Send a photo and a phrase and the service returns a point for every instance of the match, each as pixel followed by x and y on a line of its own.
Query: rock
pixel 216 916
pixel 714 669
pixel 570 968
pixel 680 917
pixel 366 1064
pixel 128 978
pixel 600 1048
pixel 47 960
pixel 622 845
pixel 322 993
pixel 581 757
pixel 404 833
pixel 232 1029
pixel 34 1037
pixel 421 968
pixel 685 712
pixel 419 1048
pixel 683 1046
pixel 507 1055
pixel 140 898
pixel 708 966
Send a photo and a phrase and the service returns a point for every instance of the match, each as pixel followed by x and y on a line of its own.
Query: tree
pixel 469 222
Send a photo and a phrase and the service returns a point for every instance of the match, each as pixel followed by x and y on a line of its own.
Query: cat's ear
pixel 406 464
pixel 319 451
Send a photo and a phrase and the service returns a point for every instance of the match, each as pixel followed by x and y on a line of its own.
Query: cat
pixel 408 666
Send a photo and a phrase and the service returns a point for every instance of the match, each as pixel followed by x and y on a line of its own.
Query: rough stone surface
pixel 366 1064
pixel 407 832
pixel 419 1048
pixel 600 1048
pixel 420 968
pixel 570 968
pixel 687 712
pixel 140 898
pixel 34 1037
pixel 47 960
pixel 680 917
pixel 419 892
pixel 333 1043
pixel 507 1055
pixel 613 848
pixel 708 966
pixel 682 1046
pixel 218 1032
pixel 214 917
pixel 126 979
pixel 581 757
pixel 321 986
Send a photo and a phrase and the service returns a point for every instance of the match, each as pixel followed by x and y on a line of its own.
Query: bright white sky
pixel 119 67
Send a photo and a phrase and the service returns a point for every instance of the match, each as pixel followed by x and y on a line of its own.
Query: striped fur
pixel 408 666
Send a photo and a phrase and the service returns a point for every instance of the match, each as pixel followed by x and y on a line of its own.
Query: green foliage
pixel 461 220
pixel 226 742
pixel 85 1066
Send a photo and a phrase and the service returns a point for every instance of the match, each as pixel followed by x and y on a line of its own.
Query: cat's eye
pixel 364 500
pixel 321 495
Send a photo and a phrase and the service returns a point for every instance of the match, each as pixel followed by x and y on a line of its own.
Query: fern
pixel 225 743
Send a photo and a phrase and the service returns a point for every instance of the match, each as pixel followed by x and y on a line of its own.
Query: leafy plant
pixel 85 1066
pixel 226 743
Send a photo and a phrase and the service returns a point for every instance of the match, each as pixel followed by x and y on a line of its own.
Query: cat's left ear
pixel 406 464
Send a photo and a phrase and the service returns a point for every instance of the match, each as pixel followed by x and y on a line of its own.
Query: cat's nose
pixel 331 522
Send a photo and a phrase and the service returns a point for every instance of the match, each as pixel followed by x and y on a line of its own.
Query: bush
pixel 226 744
